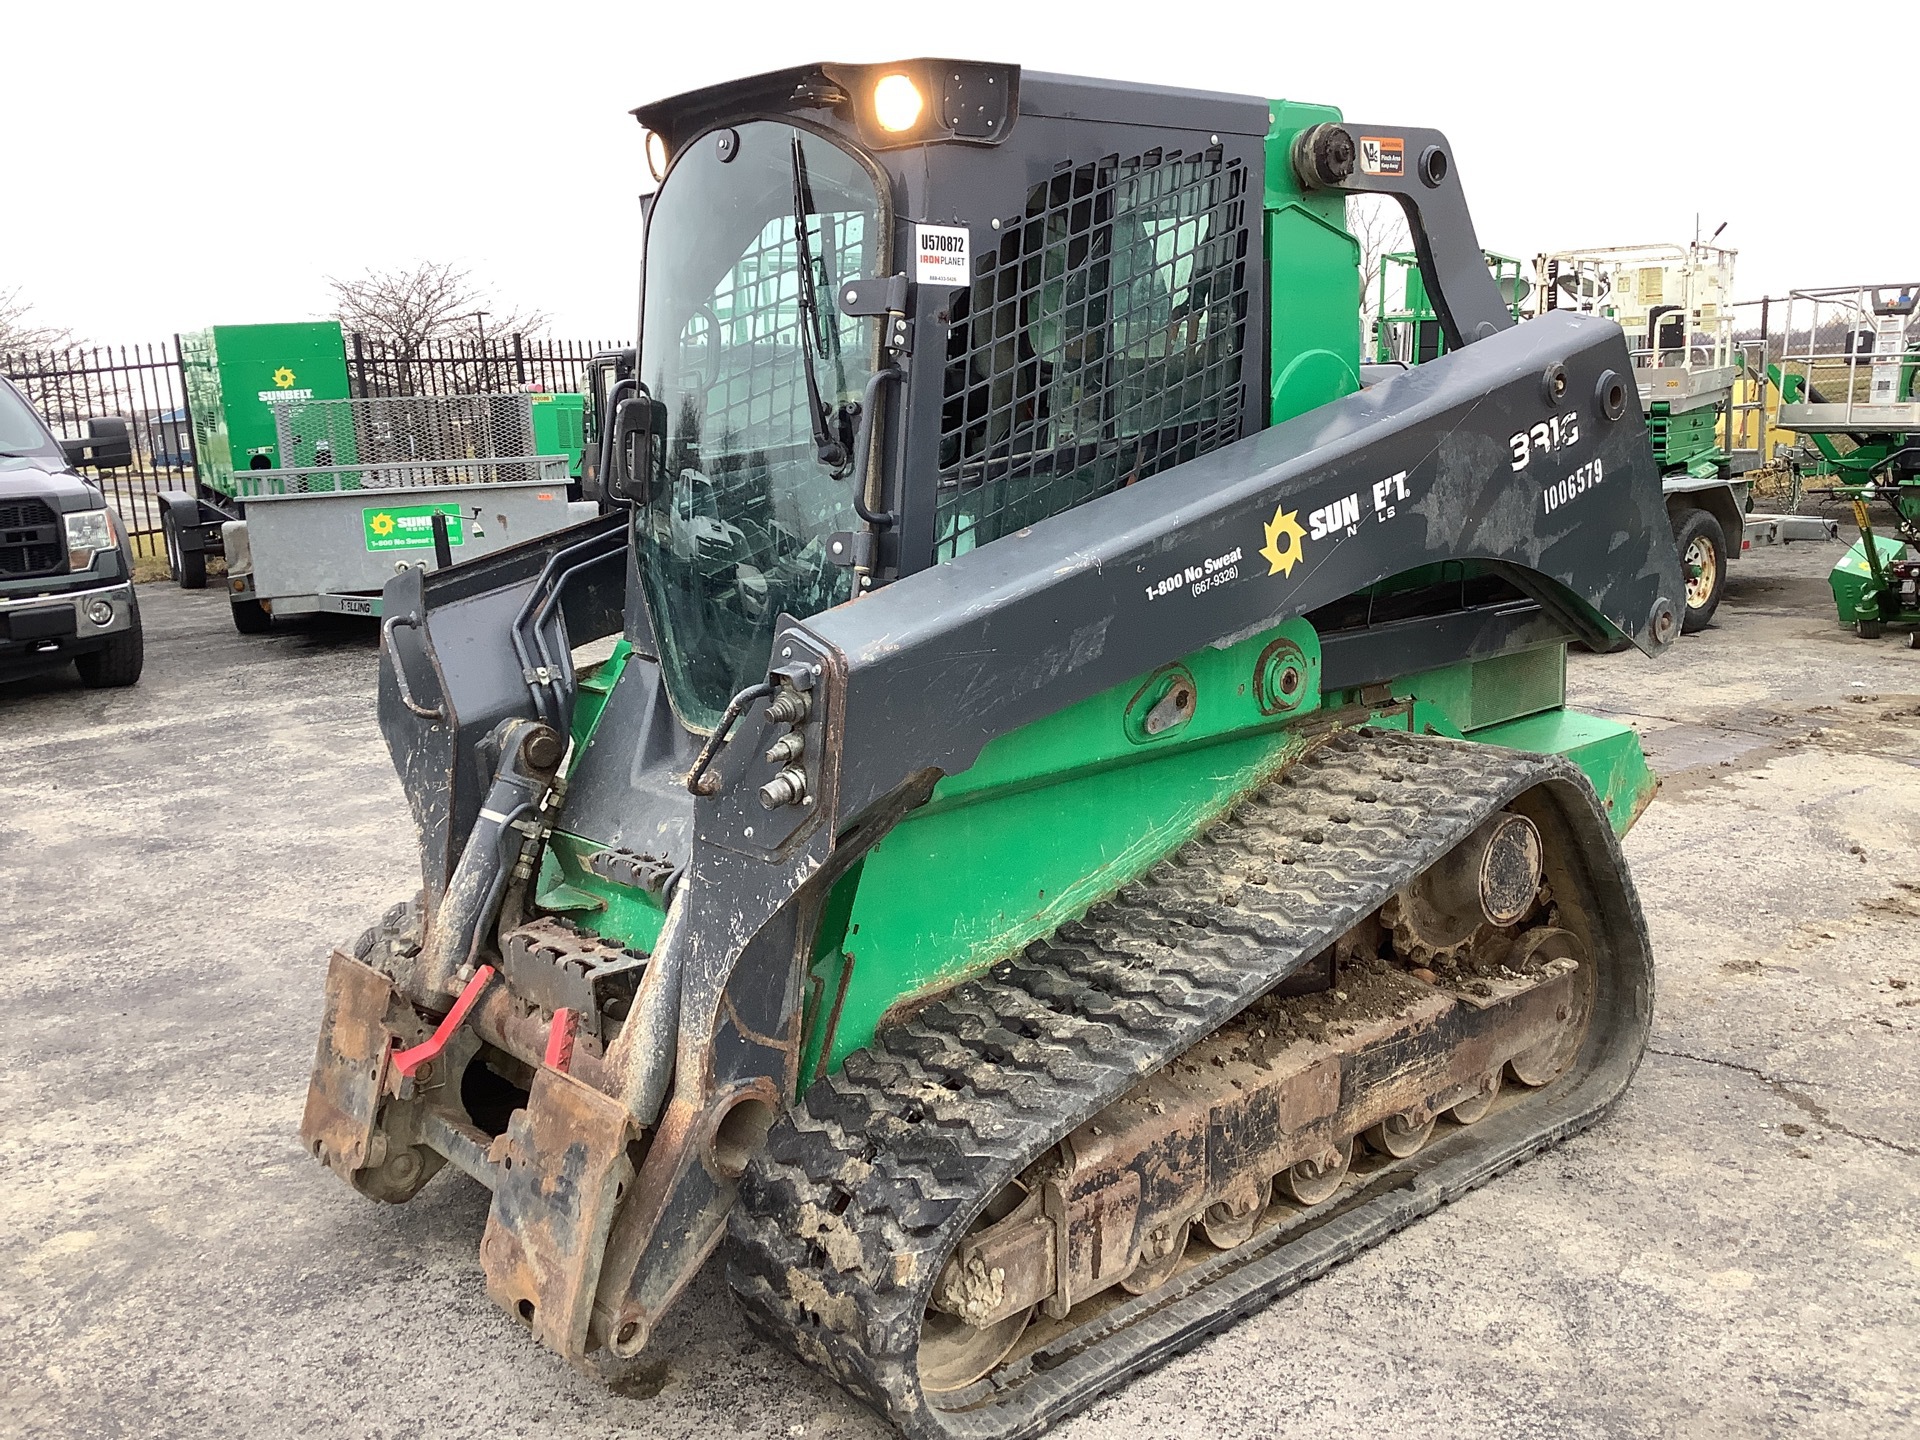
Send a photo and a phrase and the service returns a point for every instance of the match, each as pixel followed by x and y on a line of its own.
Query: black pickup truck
pixel 66 569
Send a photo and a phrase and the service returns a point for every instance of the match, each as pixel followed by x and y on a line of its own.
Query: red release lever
pixel 560 1035
pixel 408 1061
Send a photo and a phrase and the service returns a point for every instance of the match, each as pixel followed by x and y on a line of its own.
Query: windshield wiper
pixel 830 448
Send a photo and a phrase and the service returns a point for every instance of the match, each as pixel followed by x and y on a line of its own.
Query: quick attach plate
pixel 563 1166
pixel 350 1067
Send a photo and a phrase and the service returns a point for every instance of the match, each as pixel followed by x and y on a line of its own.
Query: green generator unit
pixel 237 374
pixel 560 428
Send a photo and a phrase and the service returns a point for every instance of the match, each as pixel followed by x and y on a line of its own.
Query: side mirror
pixel 636 441
pixel 109 442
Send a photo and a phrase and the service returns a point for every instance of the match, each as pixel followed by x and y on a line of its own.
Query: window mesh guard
pixel 1101 342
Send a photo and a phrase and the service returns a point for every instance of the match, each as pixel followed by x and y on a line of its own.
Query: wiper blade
pixel 831 451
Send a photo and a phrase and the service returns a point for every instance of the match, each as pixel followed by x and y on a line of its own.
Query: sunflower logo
pixel 1285 525
pixel 283 377
pixel 381 524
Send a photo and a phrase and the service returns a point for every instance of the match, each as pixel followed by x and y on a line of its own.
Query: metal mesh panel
pixel 1102 341
pixel 391 428
pixel 399 441
pixel 403 475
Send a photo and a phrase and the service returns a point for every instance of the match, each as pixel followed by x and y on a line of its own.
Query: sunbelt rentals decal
pixel 408 527
pixel 284 388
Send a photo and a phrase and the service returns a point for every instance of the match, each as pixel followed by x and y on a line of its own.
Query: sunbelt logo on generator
pixel 408 527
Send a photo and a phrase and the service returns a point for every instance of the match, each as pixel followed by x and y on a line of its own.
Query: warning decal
pixel 1383 155
pixel 941 256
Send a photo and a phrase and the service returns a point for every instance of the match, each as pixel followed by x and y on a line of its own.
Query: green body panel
pixel 1050 818
pixel 1476 693
pixel 593 902
pixel 559 428
pixel 1313 278
pixel 1687 441
pixel 1857 593
pixel 230 373
pixel 1606 751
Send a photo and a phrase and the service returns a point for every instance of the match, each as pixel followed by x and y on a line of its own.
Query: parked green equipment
pixel 1675 303
pixel 1406 330
pixel 1849 385
pixel 313 497
pixel 1079 830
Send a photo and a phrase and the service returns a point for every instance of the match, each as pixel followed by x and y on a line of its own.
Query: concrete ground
pixel 1735 1253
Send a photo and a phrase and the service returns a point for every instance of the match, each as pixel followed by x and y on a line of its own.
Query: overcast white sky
pixel 169 166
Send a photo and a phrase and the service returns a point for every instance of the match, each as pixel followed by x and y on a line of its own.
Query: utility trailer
pixel 1675 303
pixel 314 499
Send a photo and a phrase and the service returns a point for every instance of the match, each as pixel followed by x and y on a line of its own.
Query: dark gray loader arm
pixel 938 664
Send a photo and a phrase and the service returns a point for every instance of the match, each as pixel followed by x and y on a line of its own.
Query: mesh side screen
pixel 1101 342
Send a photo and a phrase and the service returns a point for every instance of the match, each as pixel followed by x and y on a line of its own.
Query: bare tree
pixel 410 308
pixel 19 332
pixel 1376 221
pixel 403 312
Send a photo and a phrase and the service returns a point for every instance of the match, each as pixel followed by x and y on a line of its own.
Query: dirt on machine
pixel 1079 829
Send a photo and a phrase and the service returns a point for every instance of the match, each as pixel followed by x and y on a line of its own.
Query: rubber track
pixel 864 1187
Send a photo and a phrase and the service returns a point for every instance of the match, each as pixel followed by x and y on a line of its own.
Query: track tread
pixel 864 1187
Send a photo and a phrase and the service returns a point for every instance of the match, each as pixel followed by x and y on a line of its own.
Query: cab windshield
pixel 751 483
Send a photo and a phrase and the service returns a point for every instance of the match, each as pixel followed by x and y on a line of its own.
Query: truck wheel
pixel 119 663
pixel 1703 565
pixel 189 568
pixel 250 617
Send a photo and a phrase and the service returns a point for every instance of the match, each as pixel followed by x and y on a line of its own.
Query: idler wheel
pixel 1476 1106
pixel 1310 1182
pixel 1400 1135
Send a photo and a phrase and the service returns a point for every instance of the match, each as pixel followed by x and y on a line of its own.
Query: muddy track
pixel 865 1187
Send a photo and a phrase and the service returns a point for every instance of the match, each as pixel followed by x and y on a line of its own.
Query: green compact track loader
pixel 1078 830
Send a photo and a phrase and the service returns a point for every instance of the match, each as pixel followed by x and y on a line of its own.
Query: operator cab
pixel 869 344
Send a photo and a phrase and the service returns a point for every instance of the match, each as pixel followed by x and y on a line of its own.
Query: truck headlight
pixel 88 533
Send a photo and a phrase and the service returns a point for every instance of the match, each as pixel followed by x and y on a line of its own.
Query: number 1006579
pixel 1573 486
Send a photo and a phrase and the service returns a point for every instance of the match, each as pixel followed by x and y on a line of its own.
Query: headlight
pixel 88 533
pixel 897 103
pixel 657 154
